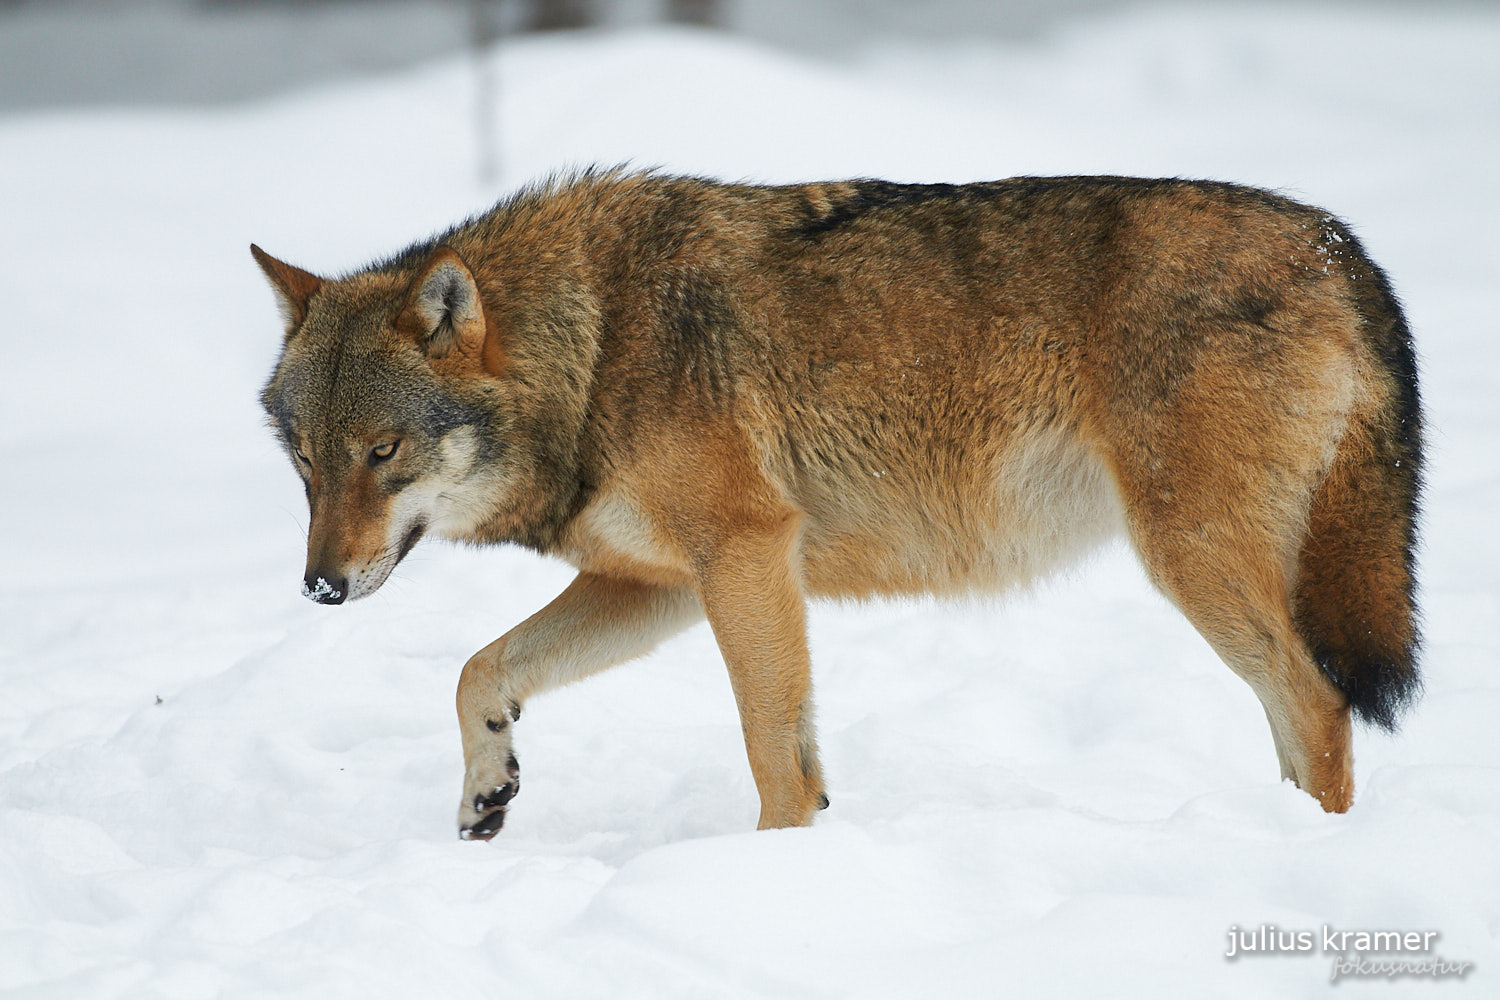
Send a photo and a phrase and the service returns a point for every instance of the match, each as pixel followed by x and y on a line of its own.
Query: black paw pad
pixel 485 828
pixel 498 799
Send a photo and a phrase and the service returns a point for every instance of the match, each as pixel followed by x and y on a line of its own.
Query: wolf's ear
pixel 442 309
pixel 292 285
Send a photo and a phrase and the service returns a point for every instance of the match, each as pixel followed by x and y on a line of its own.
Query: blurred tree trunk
pixel 484 32
pixel 559 15
pixel 704 13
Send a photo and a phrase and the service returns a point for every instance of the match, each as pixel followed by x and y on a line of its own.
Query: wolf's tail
pixel 1354 600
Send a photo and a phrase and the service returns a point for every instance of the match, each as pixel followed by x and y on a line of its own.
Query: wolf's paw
pixel 485 804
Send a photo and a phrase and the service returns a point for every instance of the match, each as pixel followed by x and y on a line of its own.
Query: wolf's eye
pixel 297 450
pixel 381 452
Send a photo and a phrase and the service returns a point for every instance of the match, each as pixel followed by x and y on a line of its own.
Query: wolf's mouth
pixel 412 538
pixel 370 578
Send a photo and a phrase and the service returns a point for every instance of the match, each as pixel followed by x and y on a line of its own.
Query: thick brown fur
pixel 722 400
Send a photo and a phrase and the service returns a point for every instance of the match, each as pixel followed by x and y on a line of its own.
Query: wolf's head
pixel 394 400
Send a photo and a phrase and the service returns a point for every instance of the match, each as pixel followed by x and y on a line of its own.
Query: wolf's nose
pixel 316 587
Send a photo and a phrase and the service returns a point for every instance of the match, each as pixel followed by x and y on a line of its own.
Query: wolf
pixel 722 400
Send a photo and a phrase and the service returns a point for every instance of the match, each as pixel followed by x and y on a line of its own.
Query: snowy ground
pixel 211 787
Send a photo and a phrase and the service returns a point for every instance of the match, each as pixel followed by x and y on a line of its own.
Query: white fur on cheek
pixel 436 501
pixel 452 500
pixel 463 493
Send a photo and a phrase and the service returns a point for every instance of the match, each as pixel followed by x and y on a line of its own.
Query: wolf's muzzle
pixel 316 587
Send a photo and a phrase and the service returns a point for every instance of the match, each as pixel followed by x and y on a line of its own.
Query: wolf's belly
pixel 1042 503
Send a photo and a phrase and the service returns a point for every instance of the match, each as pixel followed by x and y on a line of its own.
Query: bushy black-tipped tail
pixel 1355 599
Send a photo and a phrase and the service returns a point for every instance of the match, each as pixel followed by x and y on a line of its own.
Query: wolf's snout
pixel 317 587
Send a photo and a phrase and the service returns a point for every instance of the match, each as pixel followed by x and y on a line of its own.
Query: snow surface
pixel 210 786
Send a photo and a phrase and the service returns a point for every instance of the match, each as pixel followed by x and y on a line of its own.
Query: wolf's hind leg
pixel 596 623
pixel 1230 585
pixel 1217 471
pixel 1288 773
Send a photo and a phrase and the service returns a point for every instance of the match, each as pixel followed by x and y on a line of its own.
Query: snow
pixel 320 590
pixel 210 786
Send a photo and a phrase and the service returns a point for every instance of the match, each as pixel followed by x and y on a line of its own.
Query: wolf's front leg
pixel 756 607
pixel 595 623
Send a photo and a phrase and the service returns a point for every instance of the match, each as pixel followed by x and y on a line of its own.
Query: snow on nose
pixel 315 587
